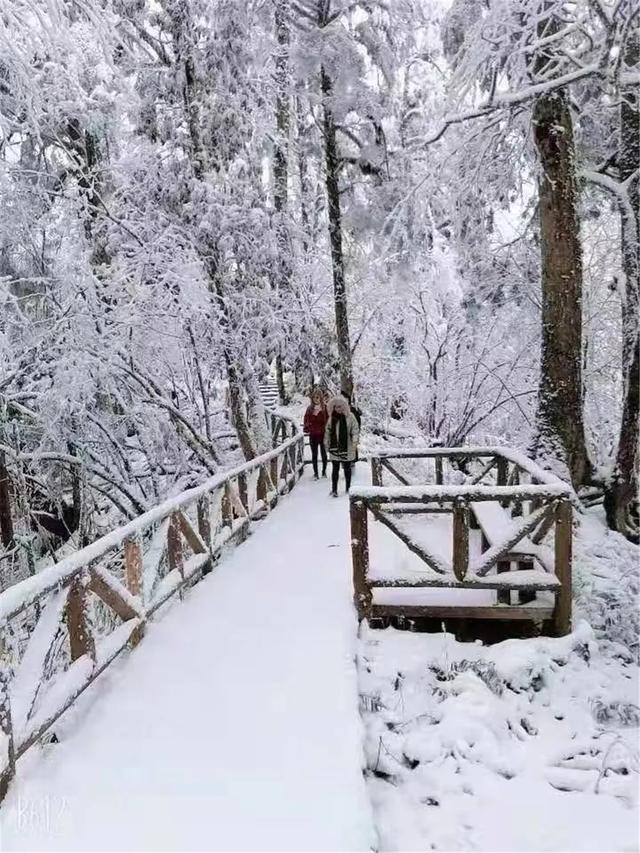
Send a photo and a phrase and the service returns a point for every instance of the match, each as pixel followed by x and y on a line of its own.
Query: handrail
pixel 12 600
pixel 443 494
pixel 540 506
pixel 471 452
pixel 188 534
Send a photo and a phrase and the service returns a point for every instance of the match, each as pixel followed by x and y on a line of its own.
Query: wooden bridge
pixel 66 625
pixel 103 596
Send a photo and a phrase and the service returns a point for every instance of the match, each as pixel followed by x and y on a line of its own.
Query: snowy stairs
pixel 269 393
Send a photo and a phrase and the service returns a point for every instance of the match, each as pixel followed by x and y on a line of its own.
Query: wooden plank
pixel 460 540
pixel 515 612
pixel 107 588
pixel 488 467
pixel 386 464
pixel 424 494
pixel 501 550
pixel 514 580
pixel 360 557
pixel 545 526
pixel 416 509
pixel 430 559
pixel 81 640
pixel 174 545
pixel 133 577
pixel 194 540
pixel 563 561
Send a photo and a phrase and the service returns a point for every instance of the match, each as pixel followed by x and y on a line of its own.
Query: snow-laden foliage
pixel 165 233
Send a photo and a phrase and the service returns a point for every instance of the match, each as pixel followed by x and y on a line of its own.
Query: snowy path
pixel 233 726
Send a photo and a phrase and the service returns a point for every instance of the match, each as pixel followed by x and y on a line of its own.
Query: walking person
pixel 315 421
pixel 357 414
pixel 341 440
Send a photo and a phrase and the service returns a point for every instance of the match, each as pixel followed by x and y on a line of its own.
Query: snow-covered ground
pixel 525 745
pixel 235 723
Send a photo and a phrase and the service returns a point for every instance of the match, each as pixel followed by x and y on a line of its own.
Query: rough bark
pixel 6 521
pixel 281 164
pixel 332 165
pixel 621 493
pixel 560 410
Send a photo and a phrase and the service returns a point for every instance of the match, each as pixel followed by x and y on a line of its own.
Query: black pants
pixel 314 444
pixel 335 474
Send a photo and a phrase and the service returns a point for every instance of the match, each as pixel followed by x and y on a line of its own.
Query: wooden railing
pixel 62 627
pixel 514 506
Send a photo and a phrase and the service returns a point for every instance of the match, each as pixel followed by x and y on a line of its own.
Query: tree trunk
pixel 560 421
pixel 281 165
pixel 621 493
pixel 332 165
pixel 6 521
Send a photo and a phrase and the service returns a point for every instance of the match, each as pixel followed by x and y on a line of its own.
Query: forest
pixel 433 204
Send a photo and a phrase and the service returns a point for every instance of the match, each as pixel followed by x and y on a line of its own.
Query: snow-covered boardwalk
pixel 233 726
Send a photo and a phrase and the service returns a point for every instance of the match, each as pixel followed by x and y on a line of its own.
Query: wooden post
pixel 261 488
pixel 502 474
pixel 284 471
pixel 526 596
pixel 274 478
pixel 535 503
pixel 503 596
pixel 204 521
pixel 242 491
pixel 226 508
pixel 439 477
pixel 460 540
pixel 360 558
pixel 174 546
pixel 133 565
pixel 6 727
pixel 80 636
pixel 292 464
pixel 133 578
pixel 515 481
pixel 563 559
pixel 376 471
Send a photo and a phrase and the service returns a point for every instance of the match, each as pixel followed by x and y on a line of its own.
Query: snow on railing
pixel 514 515
pixel 62 627
pixel 498 457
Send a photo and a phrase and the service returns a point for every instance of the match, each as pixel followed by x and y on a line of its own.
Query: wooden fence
pixel 514 506
pixel 62 627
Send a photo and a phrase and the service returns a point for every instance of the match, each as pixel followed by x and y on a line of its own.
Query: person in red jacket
pixel 315 421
